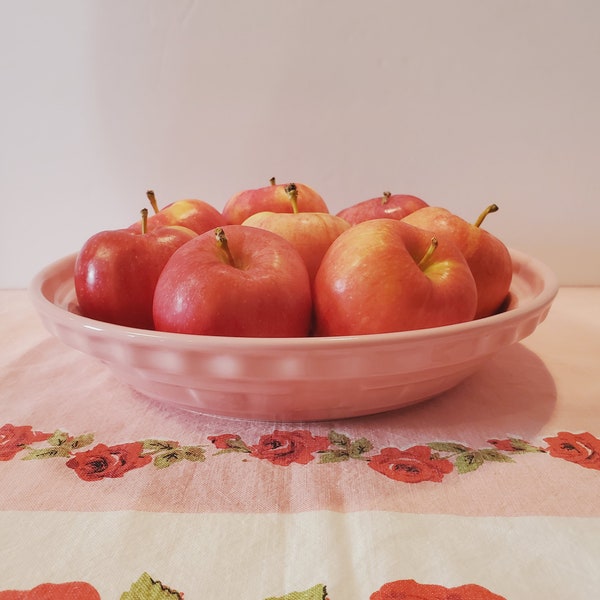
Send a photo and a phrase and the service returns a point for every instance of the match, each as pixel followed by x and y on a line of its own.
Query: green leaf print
pixel 521 446
pixel 191 453
pixel 317 592
pixel 80 441
pixel 359 447
pixel 333 456
pixel 162 461
pixel 451 447
pixel 54 452
pixel 58 438
pixel 338 439
pixel 64 440
pixel 468 461
pixel 146 588
pixel 494 455
pixel 346 448
pixel 154 446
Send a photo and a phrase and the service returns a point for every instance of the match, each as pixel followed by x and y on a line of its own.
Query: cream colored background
pixel 252 557
pixel 460 102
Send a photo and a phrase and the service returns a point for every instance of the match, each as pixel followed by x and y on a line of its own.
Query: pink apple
pixel 384 275
pixel 197 215
pixel 235 281
pixel 116 271
pixel 486 255
pixel 390 206
pixel 311 233
pixel 271 198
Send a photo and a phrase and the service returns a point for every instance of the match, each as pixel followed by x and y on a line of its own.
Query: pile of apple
pixel 276 263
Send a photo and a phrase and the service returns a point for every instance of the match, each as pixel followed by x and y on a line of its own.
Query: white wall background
pixel 462 102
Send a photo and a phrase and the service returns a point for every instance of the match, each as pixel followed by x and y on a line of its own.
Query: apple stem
pixel 292 192
pixel 490 209
pixel 272 181
pixel 152 197
pixel 386 197
pixel 223 244
pixel 432 246
pixel 144 213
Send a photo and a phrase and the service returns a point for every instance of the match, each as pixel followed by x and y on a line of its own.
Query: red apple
pixel 390 206
pixel 271 198
pixel 384 275
pixel 311 233
pixel 235 281
pixel 197 215
pixel 116 271
pixel 486 255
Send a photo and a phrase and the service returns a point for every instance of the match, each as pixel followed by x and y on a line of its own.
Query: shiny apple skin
pixel 370 282
pixel 264 293
pixel 310 233
pixel 272 198
pixel 486 255
pixel 197 215
pixel 116 272
pixel 396 206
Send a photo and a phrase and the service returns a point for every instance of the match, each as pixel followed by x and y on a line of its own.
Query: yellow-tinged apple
pixel 271 198
pixel 311 233
pixel 487 256
pixel 197 215
pixel 383 275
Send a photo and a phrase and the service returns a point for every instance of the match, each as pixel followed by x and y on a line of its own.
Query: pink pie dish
pixel 295 379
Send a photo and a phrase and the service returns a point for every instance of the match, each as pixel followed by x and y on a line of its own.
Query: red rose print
pixel 285 447
pixel 413 465
pixel 514 445
pixel 409 589
pixel 580 448
pixel 221 441
pixel 54 591
pixel 13 439
pixel 108 461
pixel 504 445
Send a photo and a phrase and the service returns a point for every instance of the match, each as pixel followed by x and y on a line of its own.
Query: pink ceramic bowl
pixel 295 379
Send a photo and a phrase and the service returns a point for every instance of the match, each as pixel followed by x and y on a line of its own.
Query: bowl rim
pixel 46 307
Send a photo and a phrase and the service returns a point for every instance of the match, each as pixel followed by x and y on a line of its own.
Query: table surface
pixel 491 490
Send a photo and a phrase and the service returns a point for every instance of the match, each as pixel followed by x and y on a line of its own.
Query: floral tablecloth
pixel 490 491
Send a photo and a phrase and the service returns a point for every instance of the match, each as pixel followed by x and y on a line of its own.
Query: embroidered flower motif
pixel 504 445
pixel 580 448
pixel 516 445
pixel 224 440
pixel 416 464
pixel 14 439
pixel 108 461
pixel 285 447
pixel 413 465
pixel 409 589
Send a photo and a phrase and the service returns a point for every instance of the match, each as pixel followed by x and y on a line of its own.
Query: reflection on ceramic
pixel 295 379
